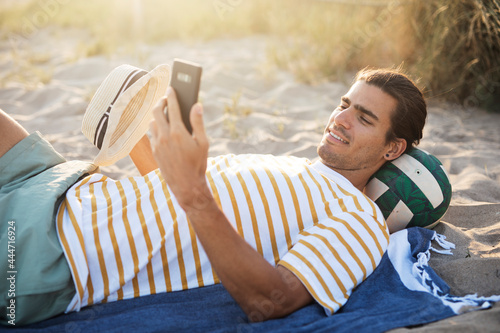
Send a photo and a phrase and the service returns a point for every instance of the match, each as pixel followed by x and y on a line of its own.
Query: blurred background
pixel 452 46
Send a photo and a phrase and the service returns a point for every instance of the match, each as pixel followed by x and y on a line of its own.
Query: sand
pixel 252 107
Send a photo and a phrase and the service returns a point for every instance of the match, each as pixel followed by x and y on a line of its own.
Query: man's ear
pixel 396 148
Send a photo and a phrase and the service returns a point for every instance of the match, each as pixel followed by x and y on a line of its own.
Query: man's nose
pixel 343 118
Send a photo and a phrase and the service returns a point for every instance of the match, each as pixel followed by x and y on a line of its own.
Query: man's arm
pixel 262 291
pixel 142 156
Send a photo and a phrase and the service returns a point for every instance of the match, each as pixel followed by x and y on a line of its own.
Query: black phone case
pixel 185 80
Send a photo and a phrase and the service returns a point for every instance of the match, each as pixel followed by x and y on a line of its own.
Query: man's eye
pixel 364 120
pixel 342 107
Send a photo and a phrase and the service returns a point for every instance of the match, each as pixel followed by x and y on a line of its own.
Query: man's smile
pixel 337 137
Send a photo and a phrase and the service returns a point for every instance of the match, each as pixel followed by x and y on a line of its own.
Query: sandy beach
pixel 252 107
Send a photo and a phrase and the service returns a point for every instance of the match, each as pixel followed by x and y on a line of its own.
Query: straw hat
pixel 118 115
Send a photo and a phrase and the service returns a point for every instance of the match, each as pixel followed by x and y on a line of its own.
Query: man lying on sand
pixel 279 232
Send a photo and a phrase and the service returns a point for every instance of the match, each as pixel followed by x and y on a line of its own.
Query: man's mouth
pixel 337 137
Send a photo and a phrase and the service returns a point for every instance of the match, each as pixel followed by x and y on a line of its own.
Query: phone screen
pixel 185 80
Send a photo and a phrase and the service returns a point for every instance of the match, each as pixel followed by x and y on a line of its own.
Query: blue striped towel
pixel 403 291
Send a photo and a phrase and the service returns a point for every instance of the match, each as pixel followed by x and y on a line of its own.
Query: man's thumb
pixel 196 118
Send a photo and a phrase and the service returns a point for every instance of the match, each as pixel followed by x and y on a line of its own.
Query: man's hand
pixel 182 157
pixel 262 290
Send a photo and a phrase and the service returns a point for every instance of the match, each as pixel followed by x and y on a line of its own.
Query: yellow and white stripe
pixel 130 238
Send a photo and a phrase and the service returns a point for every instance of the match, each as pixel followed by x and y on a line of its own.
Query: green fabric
pixel 33 181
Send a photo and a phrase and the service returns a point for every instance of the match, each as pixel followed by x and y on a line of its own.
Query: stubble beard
pixel 340 162
pixel 332 159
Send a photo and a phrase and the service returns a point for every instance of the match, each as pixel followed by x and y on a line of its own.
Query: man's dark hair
pixel 408 120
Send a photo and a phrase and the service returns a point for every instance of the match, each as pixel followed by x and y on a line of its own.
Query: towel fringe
pixel 441 240
pixel 467 303
pixel 459 304
pixel 425 279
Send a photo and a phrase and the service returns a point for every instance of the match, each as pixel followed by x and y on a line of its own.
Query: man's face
pixel 355 137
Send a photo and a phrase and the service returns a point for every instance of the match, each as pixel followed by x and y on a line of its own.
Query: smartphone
pixel 185 80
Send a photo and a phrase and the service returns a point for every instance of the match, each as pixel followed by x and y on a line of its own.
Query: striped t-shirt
pixel 130 238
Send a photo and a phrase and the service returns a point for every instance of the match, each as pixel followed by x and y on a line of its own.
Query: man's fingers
pixel 153 128
pixel 160 119
pixel 174 112
pixel 196 118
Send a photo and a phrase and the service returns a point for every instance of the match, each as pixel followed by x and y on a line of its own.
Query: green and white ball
pixel 413 190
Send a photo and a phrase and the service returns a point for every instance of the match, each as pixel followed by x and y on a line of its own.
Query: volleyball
pixel 412 190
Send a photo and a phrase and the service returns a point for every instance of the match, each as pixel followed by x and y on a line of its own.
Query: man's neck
pixel 358 178
pixel 355 178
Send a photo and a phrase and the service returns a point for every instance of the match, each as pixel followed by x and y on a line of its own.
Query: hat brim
pixel 131 114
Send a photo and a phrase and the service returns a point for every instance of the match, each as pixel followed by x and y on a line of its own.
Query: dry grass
pixel 460 49
pixel 453 45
